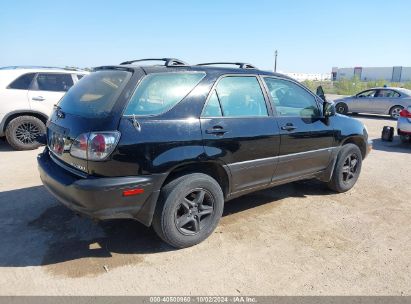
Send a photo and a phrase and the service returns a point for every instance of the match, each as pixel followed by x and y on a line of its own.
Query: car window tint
pixel 53 82
pixel 160 92
pixel 79 76
pixel 387 94
pixel 23 82
pixel 212 108
pixel 289 99
pixel 96 94
pixel 369 93
pixel 241 96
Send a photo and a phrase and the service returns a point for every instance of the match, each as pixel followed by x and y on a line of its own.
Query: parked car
pixel 404 125
pixel 27 97
pixel 168 145
pixel 385 100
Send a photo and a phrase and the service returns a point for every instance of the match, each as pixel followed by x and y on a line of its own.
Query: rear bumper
pixel 404 126
pixel 101 198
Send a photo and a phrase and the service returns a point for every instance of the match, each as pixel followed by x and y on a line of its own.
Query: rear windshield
pixel 160 92
pixel 95 94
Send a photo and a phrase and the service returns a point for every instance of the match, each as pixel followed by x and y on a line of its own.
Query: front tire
pixel 395 111
pixel 347 169
pixel 22 131
pixel 188 210
pixel 341 108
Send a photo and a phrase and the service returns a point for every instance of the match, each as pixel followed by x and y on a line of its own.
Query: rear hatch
pixel 94 104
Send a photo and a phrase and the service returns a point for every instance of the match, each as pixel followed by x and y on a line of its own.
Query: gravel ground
pixel 296 239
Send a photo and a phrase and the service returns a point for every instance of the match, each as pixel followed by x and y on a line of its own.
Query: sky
pixel 310 36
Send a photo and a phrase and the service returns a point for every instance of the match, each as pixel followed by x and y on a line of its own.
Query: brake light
pixel 405 113
pixel 95 146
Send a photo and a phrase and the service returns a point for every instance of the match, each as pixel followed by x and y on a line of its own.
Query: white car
pixel 27 97
pixel 404 125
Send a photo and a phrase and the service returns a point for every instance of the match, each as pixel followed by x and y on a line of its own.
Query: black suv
pixel 168 144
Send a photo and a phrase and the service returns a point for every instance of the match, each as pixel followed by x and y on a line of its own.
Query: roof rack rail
pixel 168 61
pixel 241 65
pixel 17 67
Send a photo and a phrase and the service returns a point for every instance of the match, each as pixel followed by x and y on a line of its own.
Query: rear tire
pixel 341 108
pixel 395 111
pixel 405 139
pixel 347 169
pixel 188 210
pixel 21 132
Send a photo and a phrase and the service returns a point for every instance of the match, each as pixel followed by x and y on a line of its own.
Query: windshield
pixel 95 94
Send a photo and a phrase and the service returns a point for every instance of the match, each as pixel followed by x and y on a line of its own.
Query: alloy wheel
pixel 26 133
pixel 350 167
pixel 194 212
pixel 395 113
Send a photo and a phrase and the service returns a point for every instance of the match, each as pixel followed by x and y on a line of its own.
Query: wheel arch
pixel 342 102
pixel 213 169
pixel 14 114
pixel 397 105
pixel 358 141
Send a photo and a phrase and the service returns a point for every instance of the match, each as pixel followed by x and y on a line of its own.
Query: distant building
pixel 392 74
pixel 309 76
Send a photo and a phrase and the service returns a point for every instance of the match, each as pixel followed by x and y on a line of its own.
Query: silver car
pixel 385 100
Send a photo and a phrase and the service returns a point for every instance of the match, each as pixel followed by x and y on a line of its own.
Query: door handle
pixel 216 130
pixel 288 127
pixel 38 98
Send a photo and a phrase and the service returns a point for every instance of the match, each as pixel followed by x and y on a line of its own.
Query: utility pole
pixel 275 60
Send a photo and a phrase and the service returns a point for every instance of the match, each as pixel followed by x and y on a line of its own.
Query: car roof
pixel 217 70
pixel 9 74
pixel 402 90
pixel 35 69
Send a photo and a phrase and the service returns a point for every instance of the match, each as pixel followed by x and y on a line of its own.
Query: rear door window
pixel 238 96
pixel 157 93
pixel 213 107
pixel 387 94
pixel 96 94
pixel 53 82
pixel 23 82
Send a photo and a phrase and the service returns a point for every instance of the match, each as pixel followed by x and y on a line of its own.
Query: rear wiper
pixel 59 112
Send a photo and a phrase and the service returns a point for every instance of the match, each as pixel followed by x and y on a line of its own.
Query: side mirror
pixel 328 109
pixel 320 93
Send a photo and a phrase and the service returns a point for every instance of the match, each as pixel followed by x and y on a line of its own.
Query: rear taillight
pixel 79 146
pixel 100 145
pixel 405 113
pixel 95 145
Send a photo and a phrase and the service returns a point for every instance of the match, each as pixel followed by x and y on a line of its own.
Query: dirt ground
pixel 296 239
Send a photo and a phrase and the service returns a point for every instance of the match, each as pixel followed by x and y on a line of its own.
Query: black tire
pixel 347 169
pixel 21 132
pixel 182 219
pixel 405 139
pixel 341 108
pixel 395 111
